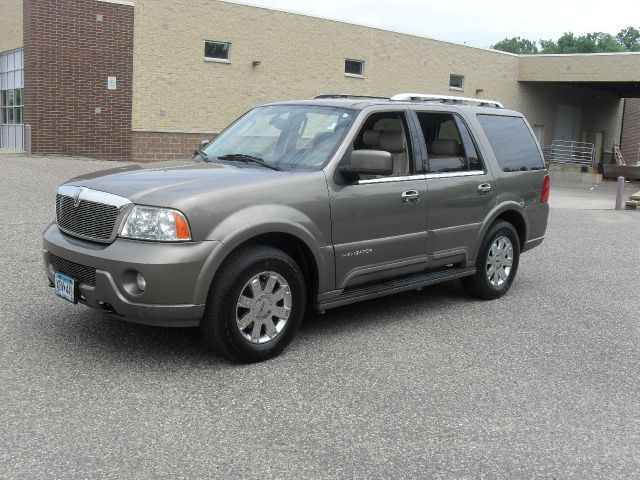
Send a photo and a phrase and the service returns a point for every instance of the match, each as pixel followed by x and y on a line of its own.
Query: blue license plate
pixel 65 287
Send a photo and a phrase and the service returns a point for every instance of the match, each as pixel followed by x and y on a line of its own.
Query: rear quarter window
pixel 512 143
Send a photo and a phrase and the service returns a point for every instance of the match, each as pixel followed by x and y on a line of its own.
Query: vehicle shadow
pixel 377 313
pixel 85 333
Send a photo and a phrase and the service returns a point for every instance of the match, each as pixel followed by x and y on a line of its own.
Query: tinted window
pixel 512 143
pixel 456 81
pixel 354 67
pixel 217 50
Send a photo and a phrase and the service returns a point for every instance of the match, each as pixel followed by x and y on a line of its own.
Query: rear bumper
pixel 173 274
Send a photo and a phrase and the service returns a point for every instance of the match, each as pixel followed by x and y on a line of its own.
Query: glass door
pixel 11 100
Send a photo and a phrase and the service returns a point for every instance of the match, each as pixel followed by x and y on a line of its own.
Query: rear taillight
pixel 544 197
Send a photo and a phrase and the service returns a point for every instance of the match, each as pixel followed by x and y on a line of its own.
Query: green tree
pixel 626 40
pixel 605 42
pixel 596 42
pixel 516 45
pixel 629 38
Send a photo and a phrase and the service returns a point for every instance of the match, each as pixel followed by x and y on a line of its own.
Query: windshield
pixel 288 137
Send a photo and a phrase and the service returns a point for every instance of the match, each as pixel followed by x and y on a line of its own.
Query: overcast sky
pixel 476 22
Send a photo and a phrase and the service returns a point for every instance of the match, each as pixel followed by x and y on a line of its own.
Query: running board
pixel 390 287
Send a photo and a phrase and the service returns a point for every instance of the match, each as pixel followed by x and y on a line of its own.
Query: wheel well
pixel 297 249
pixel 517 220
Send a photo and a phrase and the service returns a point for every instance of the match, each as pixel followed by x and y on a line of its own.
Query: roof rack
pixel 346 95
pixel 422 97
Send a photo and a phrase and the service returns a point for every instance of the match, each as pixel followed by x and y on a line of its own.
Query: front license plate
pixel 66 287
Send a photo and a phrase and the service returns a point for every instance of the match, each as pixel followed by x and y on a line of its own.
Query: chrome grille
pixel 89 219
pixel 84 275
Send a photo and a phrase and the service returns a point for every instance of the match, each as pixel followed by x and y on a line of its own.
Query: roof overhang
pixel 614 72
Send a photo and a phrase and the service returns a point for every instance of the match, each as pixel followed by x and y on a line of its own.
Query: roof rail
pixel 346 95
pixel 422 97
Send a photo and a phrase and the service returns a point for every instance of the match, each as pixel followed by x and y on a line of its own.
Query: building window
pixel 456 82
pixel 354 68
pixel 217 51
pixel 11 105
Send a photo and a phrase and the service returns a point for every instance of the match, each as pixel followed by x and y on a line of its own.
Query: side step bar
pixel 389 287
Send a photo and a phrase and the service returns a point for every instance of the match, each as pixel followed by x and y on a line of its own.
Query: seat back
pixel 446 156
pixel 445 148
pixel 394 143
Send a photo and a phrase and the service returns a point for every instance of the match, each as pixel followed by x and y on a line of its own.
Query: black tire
pixel 479 285
pixel 219 326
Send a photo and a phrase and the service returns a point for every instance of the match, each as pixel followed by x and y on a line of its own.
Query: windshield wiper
pixel 248 158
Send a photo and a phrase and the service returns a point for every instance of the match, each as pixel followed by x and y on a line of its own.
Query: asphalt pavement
pixel 542 383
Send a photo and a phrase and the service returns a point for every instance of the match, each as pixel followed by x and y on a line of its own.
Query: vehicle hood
pixel 164 185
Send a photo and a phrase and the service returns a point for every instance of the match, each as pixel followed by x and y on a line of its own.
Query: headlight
pixel 159 224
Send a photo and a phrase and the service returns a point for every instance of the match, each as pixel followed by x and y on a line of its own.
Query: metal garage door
pixel 11 100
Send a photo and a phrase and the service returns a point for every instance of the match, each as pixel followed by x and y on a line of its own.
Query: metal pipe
pixel 620 194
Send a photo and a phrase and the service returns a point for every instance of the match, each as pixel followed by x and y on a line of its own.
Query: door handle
pixel 410 196
pixel 484 188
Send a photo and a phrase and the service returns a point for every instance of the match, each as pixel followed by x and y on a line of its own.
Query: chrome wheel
pixel 263 308
pixel 499 261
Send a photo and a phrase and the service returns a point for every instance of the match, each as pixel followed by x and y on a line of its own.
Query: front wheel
pixel 497 263
pixel 255 306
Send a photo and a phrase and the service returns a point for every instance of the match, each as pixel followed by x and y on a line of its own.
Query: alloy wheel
pixel 263 307
pixel 499 261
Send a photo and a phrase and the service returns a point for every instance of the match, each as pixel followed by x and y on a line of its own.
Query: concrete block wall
pixel 10 25
pixel 598 67
pixel 301 56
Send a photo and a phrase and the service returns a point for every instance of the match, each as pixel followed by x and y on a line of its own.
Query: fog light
pixel 142 282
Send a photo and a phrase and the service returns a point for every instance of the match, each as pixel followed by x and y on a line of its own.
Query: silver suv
pixel 316 203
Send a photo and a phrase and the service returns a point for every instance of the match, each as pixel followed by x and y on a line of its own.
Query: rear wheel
pixel 497 263
pixel 255 306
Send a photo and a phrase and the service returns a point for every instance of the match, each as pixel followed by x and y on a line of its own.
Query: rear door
pixel 461 187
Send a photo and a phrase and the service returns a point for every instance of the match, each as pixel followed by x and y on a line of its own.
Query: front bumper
pixel 174 273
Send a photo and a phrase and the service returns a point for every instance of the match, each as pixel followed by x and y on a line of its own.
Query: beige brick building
pixel 173 95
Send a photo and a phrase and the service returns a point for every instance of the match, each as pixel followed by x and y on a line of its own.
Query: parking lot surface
pixel 541 383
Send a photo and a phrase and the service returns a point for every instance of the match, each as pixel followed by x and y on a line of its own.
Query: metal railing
pixel 568 151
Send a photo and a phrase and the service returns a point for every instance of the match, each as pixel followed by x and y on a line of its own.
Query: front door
pixel 379 224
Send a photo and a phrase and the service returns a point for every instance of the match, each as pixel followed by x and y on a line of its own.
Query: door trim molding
pixel 422 176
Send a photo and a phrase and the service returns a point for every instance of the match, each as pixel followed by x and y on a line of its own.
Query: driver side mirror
pixel 203 143
pixel 368 162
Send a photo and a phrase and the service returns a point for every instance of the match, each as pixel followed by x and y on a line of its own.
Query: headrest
pixel 392 142
pixel 445 147
pixel 371 138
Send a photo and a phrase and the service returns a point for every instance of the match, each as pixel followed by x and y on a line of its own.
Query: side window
pixel 449 143
pixel 387 131
pixel 473 159
pixel 512 142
